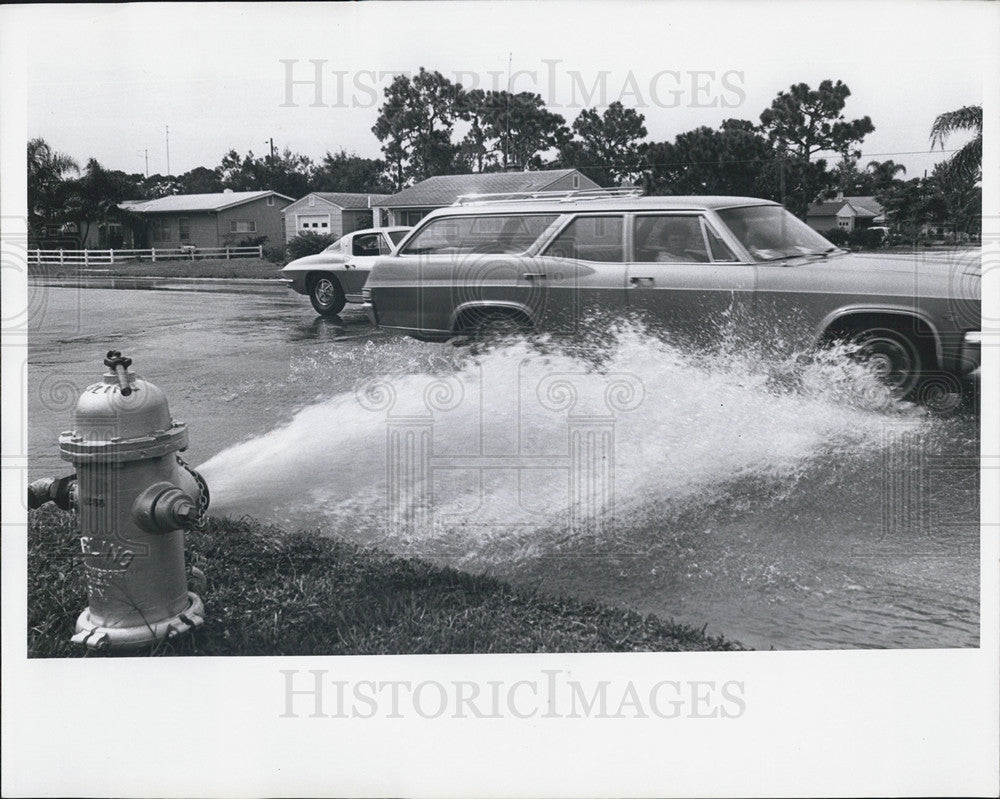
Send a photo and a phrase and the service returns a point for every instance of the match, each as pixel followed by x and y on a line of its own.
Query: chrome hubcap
pixel 891 361
pixel 324 291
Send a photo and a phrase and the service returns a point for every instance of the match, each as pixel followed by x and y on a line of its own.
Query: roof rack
pixel 550 196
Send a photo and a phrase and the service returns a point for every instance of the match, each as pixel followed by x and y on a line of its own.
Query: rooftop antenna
pixel 168 151
pixel 145 152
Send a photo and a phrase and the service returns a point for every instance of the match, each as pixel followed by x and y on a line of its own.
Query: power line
pixel 759 160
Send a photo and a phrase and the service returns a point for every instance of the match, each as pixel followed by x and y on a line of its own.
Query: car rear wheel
pixel 326 295
pixel 892 356
pixel 496 325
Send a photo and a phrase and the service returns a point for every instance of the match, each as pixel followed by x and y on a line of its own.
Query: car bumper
pixel 971 355
pixel 296 283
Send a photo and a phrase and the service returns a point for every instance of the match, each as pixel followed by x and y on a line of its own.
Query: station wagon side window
pixel 591 238
pixel 493 234
pixel 670 238
pixel 397 235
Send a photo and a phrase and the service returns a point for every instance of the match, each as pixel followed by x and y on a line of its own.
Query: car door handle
pixel 533 275
pixel 637 279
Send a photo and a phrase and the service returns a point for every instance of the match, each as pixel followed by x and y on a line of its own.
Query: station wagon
pixel 546 263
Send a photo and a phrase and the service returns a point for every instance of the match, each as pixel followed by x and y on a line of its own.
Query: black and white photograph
pixel 501 399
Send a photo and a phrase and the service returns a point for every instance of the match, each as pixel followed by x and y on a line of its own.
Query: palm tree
pixel 885 172
pixel 969 159
pixel 47 170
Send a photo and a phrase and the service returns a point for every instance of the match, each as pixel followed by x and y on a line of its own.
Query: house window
pixel 270 200
pixel 242 226
pixel 161 230
pixel 411 218
pixel 184 228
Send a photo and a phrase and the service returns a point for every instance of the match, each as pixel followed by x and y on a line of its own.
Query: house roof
pixel 445 189
pixel 869 205
pixel 825 209
pixel 198 202
pixel 862 206
pixel 347 200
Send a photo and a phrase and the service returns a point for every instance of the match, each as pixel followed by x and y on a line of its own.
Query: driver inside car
pixel 670 241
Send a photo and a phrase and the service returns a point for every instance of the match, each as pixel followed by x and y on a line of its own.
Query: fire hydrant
pixel 135 497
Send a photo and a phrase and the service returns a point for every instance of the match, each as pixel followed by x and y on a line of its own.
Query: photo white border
pixel 877 723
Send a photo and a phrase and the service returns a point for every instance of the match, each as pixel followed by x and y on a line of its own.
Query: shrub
pixel 275 253
pixel 307 244
pixel 252 241
pixel 868 239
pixel 836 236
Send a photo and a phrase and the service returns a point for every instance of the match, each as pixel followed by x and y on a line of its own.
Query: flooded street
pixel 761 500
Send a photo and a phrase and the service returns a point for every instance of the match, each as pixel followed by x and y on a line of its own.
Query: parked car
pixel 336 276
pixel 546 263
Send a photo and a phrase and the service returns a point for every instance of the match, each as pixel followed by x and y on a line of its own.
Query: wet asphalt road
pixel 228 357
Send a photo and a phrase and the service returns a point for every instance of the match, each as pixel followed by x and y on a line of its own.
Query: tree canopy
pixel 428 125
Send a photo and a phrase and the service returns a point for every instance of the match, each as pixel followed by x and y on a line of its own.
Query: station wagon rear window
pixel 493 234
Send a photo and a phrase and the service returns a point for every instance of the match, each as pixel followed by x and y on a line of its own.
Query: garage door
pixel 315 223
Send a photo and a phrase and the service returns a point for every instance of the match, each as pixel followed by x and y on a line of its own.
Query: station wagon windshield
pixel 494 234
pixel 770 233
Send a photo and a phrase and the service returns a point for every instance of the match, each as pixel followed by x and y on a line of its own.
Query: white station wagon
pixel 336 276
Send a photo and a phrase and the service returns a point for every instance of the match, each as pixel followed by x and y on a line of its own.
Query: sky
pixel 111 79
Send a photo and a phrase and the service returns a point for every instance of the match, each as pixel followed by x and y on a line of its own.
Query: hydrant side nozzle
pixel 61 491
pixel 164 507
pixel 39 492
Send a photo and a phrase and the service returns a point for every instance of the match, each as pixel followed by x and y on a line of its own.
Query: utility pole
pixel 272 148
pixel 506 139
pixel 168 151
pixel 782 176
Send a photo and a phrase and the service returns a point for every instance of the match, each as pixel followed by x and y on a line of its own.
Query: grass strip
pixel 210 267
pixel 275 593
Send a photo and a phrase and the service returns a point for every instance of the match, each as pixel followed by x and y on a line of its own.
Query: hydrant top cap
pixel 108 422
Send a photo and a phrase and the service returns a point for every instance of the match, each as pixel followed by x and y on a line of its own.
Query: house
pixel 413 204
pixel 225 219
pixel 330 213
pixel 845 213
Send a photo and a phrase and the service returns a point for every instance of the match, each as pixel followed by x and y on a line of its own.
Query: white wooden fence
pixel 87 258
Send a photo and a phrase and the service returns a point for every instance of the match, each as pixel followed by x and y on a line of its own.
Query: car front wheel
pixel 892 356
pixel 326 295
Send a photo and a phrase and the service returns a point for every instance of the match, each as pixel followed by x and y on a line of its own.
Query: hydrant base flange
pixel 122 638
